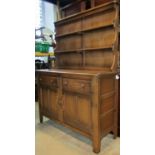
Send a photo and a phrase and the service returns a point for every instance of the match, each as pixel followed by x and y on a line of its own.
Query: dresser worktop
pixel 75 72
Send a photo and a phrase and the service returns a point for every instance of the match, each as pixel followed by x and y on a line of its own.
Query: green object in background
pixel 41 46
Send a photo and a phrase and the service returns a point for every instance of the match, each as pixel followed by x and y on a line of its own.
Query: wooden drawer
pixel 48 81
pixel 78 86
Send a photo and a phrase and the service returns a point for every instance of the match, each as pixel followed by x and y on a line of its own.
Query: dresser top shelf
pixel 88 12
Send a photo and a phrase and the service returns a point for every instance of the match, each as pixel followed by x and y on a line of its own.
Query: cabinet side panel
pixel 107 85
pixel 107 105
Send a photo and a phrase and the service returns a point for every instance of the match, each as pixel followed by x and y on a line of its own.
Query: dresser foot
pixel 96 150
pixel 115 134
pixel 96 146
pixel 41 118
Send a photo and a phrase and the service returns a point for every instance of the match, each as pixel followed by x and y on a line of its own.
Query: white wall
pixel 49 15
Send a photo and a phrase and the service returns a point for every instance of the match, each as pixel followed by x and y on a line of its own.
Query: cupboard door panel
pixel 77 111
pixel 70 109
pixel 48 86
pixel 44 99
pixel 48 102
pixel 84 110
pixel 53 106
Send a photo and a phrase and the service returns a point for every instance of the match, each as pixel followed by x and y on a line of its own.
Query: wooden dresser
pixel 81 92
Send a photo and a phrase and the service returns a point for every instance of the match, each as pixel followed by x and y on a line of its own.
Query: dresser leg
pixel 114 136
pixel 96 116
pixel 115 132
pixel 41 118
pixel 96 145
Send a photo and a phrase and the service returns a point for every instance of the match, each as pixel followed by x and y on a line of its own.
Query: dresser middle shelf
pixel 85 30
pixel 108 47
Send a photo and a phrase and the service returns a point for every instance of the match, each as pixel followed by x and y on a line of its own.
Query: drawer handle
pixel 40 79
pixel 65 83
pixel 60 101
pixel 82 85
pixel 53 83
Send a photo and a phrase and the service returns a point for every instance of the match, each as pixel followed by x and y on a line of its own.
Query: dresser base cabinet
pixel 85 101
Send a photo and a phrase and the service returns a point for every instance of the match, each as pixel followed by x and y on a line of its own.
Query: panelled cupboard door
pixel 48 102
pixel 77 111
pixel 53 98
pixel 43 99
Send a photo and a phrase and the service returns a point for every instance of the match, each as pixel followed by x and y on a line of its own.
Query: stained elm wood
pixel 69 43
pixel 84 100
pixel 91 11
pixel 40 95
pixel 74 115
pixel 99 19
pixel 101 58
pixel 99 2
pixel 95 43
pixel 48 93
pixel 115 127
pixel 108 107
pixel 75 60
pixel 99 38
pixel 82 92
pixel 107 103
pixel 119 107
pixel 108 121
pixel 80 86
pixel 73 8
pixel 107 85
pixel 69 27
pixel 96 115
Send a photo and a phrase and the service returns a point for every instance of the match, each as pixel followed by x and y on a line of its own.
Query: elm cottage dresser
pixel 81 92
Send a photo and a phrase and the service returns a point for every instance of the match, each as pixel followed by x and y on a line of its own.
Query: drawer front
pixel 48 81
pixel 77 86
